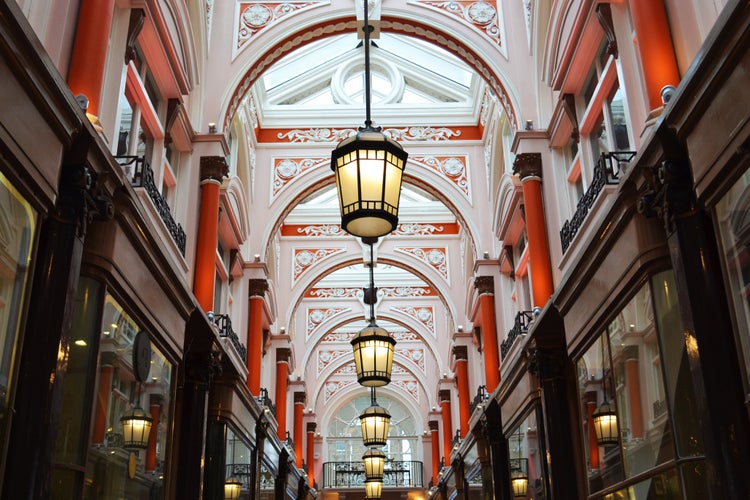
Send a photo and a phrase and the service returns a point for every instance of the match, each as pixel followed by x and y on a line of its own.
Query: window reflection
pixel 525 454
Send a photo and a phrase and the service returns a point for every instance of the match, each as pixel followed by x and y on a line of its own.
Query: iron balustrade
pixel 456 441
pixel 479 399
pixel 242 472
pixel 520 327
pixel 606 171
pixel 265 401
pixel 138 169
pixel 397 474
pixel 224 322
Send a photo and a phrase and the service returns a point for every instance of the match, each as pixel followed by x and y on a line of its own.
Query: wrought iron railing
pixel 520 327
pixel 265 401
pixel 224 322
pixel 479 399
pixel 289 442
pixel 242 472
pixel 659 408
pixel 396 474
pixel 138 169
pixel 606 171
pixel 456 441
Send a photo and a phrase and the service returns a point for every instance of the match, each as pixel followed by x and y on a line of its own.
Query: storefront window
pixel 733 218
pixel 238 463
pixel 17 229
pixel 114 471
pixel 625 403
pixel 525 453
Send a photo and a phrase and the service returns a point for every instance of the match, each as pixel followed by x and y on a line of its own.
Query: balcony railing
pixel 520 327
pixel 606 171
pixel 224 322
pixel 265 401
pixel 479 399
pixel 139 171
pixel 352 474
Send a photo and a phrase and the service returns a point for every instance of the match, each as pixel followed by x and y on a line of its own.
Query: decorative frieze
pixel 315 316
pixel 424 314
pixel 434 257
pixel 482 15
pixel 304 258
pixel 253 17
pixel 286 169
pixel 453 168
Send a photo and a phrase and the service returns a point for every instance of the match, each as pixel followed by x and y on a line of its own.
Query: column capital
pixel 434 425
pixel 461 352
pixel 213 168
pixel 484 284
pixel 528 165
pixel 311 426
pixel 257 287
pixel 283 355
pixel 444 395
pixel 300 398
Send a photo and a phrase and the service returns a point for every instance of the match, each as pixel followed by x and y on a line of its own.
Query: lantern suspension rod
pixel 367 30
pixel 373 401
pixel 373 294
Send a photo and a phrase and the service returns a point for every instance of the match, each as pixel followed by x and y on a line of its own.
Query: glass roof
pixel 412 82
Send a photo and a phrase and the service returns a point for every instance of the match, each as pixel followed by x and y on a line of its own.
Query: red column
pixel 435 450
pixel 486 289
pixel 529 168
pixel 299 409
pixel 462 383
pixel 633 381
pixel 311 453
pixel 155 410
pixel 102 404
pixel 593 444
pixel 89 57
pixel 654 44
pixel 445 405
pixel 213 169
pixel 282 384
pixel 255 322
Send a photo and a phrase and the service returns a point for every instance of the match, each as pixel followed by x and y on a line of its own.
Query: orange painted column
pixel 486 289
pixel 593 444
pixel 655 47
pixel 633 381
pixel 462 383
pixel 445 405
pixel 155 410
pixel 282 384
pixel 258 288
pixel 102 404
pixel 299 410
pixel 435 450
pixel 311 453
pixel 213 169
pixel 89 57
pixel 529 168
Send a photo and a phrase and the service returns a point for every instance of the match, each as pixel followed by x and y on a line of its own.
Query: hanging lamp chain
pixel 367 29
pixel 373 294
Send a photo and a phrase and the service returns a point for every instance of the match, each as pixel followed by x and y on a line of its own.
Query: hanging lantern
pixel 374 460
pixel 520 483
pixel 376 422
pixel 605 425
pixel 368 168
pixel 232 488
pixel 373 489
pixel 136 427
pixel 373 355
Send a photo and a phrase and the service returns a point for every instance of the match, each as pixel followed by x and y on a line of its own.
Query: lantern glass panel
pixel 373 489
pixel 374 461
pixel 232 489
pixel 375 422
pixel 136 428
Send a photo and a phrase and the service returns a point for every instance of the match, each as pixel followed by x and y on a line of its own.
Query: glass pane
pixel 642 410
pixel 109 467
pixel 525 453
pixel 238 461
pixel 599 140
pixel 78 391
pixel 679 382
pixel 733 220
pixel 596 389
pixel 616 105
pixel 17 228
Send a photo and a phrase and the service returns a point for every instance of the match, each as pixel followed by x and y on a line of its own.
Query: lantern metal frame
pixel 375 422
pixel 604 417
pixel 369 169
pixel 232 488
pixel 136 428
pixel 374 460
pixel 519 472
pixel 373 489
